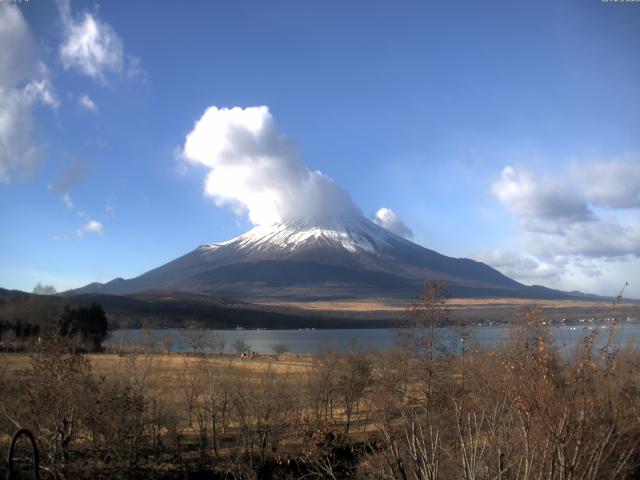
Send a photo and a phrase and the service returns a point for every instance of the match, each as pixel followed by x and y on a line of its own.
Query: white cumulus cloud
pixel 554 216
pixel 588 216
pixel 543 198
pixel 387 218
pixel 257 170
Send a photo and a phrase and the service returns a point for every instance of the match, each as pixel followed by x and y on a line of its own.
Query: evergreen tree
pixel 90 322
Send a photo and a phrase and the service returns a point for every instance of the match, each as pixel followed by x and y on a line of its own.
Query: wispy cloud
pixel 92 47
pixel 87 103
pixel 134 70
pixel 66 199
pixel 524 267
pixel 90 226
pixel 610 183
pixel 69 177
pixel 110 207
pixel 24 84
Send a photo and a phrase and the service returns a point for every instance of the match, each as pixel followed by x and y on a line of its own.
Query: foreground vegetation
pixel 525 410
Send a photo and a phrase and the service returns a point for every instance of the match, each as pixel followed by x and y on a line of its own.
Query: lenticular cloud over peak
pixel 258 171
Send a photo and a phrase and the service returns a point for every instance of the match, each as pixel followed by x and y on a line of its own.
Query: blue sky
pixel 503 131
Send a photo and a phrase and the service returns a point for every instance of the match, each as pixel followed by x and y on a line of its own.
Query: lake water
pixel 313 341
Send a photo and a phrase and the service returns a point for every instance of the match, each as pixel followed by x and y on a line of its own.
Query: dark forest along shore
pixel 310 341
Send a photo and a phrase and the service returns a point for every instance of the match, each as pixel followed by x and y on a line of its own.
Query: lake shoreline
pixel 312 341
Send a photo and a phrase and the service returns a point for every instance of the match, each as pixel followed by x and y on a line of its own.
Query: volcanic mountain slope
pixel 348 258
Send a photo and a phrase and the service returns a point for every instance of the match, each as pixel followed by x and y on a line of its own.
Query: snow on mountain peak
pixel 351 233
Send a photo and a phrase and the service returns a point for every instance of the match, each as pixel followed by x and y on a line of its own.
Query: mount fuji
pixel 346 258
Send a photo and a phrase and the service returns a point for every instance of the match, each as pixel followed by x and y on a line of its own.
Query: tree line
pixel 29 320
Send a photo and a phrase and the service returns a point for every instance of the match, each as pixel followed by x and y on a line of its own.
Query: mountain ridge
pixel 323 259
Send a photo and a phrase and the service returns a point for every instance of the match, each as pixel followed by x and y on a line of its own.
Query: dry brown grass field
pixel 167 366
pixel 523 410
pixel 383 304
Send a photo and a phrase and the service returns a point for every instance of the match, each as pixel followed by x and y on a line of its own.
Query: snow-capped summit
pixel 349 257
pixel 351 233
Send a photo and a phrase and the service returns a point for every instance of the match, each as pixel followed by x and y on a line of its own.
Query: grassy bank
pixel 522 410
